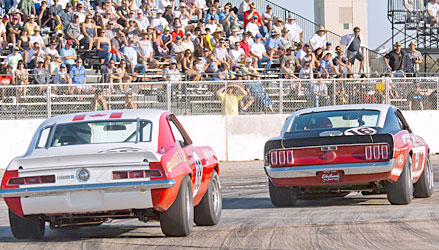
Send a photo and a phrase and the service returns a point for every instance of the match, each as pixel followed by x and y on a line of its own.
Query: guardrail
pixel 217 97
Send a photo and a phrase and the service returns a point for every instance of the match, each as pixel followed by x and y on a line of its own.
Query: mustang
pixel 87 168
pixel 330 151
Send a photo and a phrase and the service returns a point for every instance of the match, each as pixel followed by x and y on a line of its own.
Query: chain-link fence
pixel 216 97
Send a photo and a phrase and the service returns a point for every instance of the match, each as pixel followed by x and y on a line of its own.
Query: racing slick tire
pixel 401 192
pixel 424 186
pixel 208 211
pixel 282 196
pixel 178 220
pixel 29 228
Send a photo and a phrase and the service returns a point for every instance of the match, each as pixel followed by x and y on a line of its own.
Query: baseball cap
pixel 177 37
pixel 328 43
pixel 255 17
pixel 53 42
pixel 258 35
pixel 159 11
pixel 15 17
pixel 248 60
pixel 16 49
pixel 70 42
pixel 40 60
pixel 173 61
pixel 167 29
pixel 182 5
pixel 398 43
pixel 62 65
pixel 139 11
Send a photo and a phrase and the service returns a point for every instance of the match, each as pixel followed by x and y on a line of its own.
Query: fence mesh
pixel 217 97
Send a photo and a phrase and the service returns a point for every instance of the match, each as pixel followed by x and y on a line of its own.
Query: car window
pixel 335 119
pixel 177 131
pixel 44 136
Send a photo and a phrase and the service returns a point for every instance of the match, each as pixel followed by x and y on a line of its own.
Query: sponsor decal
pixel 360 131
pixel 176 159
pixel 65 177
pixel 198 172
pixel 330 176
pixel 400 161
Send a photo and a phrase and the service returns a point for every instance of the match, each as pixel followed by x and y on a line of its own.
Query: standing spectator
pixel 63 77
pixel 77 73
pixel 99 103
pixel 230 98
pixel 129 104
pixel 432 12
pixel 89 31
pixel 257 50
pixel 68 55
pixel 22 78
pixel 27 7
pixel 394 59
pixel 67 15
pixel 415 98
pixel 73 31
pixel 13 30
pixel 243 7
pixel 130 54
pixel 319 39
pixel 41 76
pixel 353 43
pixel 412 60
pixel 5 79
pixel 295 33
pixel 262 101
pixel 13 58
pixel 319 93
pixel 103 47
pixel 37 38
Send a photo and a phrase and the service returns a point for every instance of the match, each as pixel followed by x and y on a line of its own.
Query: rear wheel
pixel 424 186
pixel 208 212
pixel 30 228
pixel 282 196
pixel 401 192
pixel 178 220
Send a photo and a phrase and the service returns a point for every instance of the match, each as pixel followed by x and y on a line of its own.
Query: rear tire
pixel 282 196
pixel 424 186
pixel 29 228
pixel 401 192
pixel 178 220
pixel 208 211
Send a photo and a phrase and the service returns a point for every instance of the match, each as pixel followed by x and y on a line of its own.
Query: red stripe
pixel 116 115
pixel 78 117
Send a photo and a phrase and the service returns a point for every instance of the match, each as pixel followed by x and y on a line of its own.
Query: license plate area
pixel 85 198
pixel 333 176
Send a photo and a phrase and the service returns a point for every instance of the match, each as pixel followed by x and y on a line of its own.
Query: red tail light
pixel 282 157
pixel 44 179
pixel 149 173
pixel 376 152
pixel 7 175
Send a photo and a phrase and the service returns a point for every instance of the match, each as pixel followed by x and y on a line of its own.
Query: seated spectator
pixel 159 22
pixel 73 31
pixel 142 20
pixel 253 27
pixel 262 102
pixel 117 43
pixel 290 56
pixel 213 67
pixel 319 39
pixel 89 31
pixel 187 42
pixel 13 58
pixel 223 73
pixel 237 54
pixel 230 99
pixel 341 62
pixel 54 64
pixel 188 68
pixel 36 54
pixel 99 103
pixel 248 67
pixel 306 72
pixel 227 18
pixel 326 66
pixel 243 7
pixel 125 72
pixel 250 15
pixel 68 55
pixel 31 25
pixel 245 43
pixel 22 78
pixel 13 30
pixel 295 32
pixel 177 49
pixel 273 45
pixel 258 51
pixel 41 76
pixel 318 56
pixel 285 41
pixel 288 70
pixel 211 24
pixel 220 52
pixel 278 26
pixel 309 57
pixel 328 48
pixel 67 15
pixel 63 77
pixel 234 38
pixel 59 40
pixel 268 18
pixel 51 50
pixel 129 104
pixel 36 37
pixel 103 47
pixel 130 54
pixel 172 74
pixel 213 16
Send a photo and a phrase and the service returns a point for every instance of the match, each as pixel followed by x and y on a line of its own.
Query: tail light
pixel 376 152
pixel 6 176
pixel 281 158
pixel 154 171
pixel 13 182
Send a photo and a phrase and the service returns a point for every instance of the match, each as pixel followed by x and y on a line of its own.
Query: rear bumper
pixel 105 187
pixel 353 173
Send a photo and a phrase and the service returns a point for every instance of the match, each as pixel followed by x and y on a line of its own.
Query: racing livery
pixel 330 151
pixel 87 168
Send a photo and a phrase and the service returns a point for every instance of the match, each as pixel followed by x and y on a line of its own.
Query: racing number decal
pixel 198 172
pixel 360 131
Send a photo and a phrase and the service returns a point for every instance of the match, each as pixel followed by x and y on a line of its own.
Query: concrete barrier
pixel 234 138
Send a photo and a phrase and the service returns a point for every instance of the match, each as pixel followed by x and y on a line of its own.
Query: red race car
pixel 87 168
pixel 330 151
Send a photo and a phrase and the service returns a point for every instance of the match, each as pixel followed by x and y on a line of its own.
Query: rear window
pixel 335 119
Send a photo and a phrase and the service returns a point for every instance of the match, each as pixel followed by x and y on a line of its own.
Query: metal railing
pixel 217 97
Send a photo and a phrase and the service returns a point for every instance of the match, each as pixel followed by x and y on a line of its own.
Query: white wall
pixel 234 138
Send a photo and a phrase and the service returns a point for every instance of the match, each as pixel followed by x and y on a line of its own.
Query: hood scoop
pixel 331 133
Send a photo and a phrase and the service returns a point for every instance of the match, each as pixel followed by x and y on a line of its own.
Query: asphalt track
pixel 249 221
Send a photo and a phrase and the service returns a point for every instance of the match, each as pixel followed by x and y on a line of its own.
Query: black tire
pixel 282 196
pixel 424 186
pixel 178 220
pixel 208 211
pixel 28 228
pixel 401 192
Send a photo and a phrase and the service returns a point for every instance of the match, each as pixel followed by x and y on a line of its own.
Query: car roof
pixel 150 114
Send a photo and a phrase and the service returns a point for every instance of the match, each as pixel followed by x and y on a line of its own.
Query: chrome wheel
pixel 216 195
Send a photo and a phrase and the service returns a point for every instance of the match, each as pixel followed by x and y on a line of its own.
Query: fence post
pixel 168 95
pixel 49 101
pixel 334 92
pixel 281 96
pixel 437 93
pixel 225 103
pixel 387 90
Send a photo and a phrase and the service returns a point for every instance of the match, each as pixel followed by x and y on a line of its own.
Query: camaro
pixel 330 151
pixel 87 168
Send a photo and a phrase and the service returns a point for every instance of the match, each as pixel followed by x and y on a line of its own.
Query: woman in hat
pixel 278 26
pixel 319 39
pixel 31 25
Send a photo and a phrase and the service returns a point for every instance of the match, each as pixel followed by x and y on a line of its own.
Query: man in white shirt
pixel 159 22
pixel 162 4
pixel 13 58
pixel 319 39
pixel 253 26
pixel 199 7
pixel 36 37
pixel 295 33
pixel 237 54
pixel 257 50
pixel 142 21
pixel 172 74
pixel 432 9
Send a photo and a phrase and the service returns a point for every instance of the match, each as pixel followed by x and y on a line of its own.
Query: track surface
pixel 249 221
